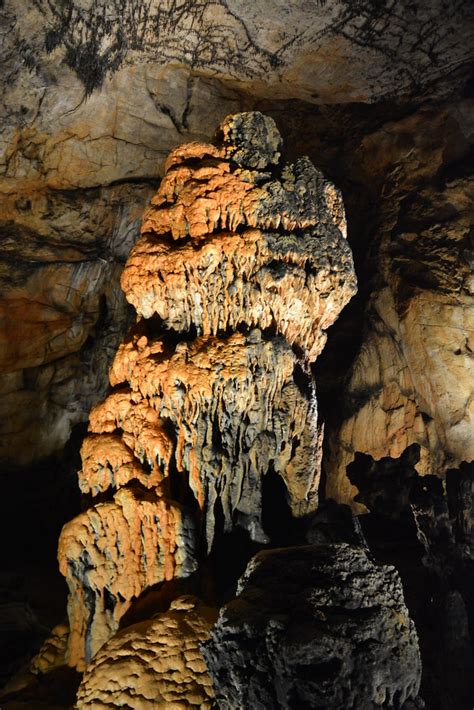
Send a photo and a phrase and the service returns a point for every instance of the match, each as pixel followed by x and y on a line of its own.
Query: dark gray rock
pixel 315 627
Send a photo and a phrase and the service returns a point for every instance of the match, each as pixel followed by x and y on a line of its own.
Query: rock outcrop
pixel 317 626
pixel 239 270
pixel 154 664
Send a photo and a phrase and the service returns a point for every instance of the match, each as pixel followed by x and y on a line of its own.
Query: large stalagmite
pixel 242 265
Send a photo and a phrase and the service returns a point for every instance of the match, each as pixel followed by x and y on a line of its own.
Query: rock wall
pixel 94 98
pixel 411 381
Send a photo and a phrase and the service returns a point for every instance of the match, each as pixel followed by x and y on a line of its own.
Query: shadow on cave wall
pixel 36 502
pixel 425 529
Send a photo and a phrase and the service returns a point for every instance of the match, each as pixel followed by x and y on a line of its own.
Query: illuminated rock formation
pixel 413 378
pixel 211 256
pixel 154 664
pixel 241 266
pixel 234 406
pixel 113 552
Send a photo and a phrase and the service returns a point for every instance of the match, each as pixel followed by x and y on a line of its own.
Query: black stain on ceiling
pixel 410 43
pixel 199 33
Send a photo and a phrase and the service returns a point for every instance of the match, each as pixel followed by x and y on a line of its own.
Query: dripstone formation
pixel 157 663
pixel 241 266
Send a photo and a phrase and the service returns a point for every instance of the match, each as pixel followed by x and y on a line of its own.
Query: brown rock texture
pixel 78 159
pixel 52 653
pixel 412 380
pixel 209 396
pixel 203 262
pixel 210 248
pixel 62 313
pixel 154 664
pixel 113 552
pixel 96 94
pixel 234 405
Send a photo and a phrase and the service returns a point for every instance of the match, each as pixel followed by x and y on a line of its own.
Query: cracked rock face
pixel 318 626
pixel 203 408
pixel 154 664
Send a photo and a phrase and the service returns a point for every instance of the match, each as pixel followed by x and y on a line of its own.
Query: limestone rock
pixel 251 140
pixel 52 654
pixel 317 626
pixel 62 313
pixel 110 554
pixel 235 407
pixel 422 524
pixel 194 201
pixel 225 257
pixel 153 664
pixel 412 380
pixel 70 128
pixel 203 407
pixel 108 464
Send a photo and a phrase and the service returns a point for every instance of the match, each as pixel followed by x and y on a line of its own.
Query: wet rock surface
pixel 318 626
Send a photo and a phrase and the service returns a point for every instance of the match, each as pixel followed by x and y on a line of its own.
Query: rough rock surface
pixel 94 96
pixel 202 419
pixel 71 129
pixel 113 552
pixel 154 664
pixel 62 313
pixel 240 403
pixel 317 626
pixel 218 411
pixel 53 652
pixel 412 379
pixel 424 526
pixel 203 262
pixel 227 255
